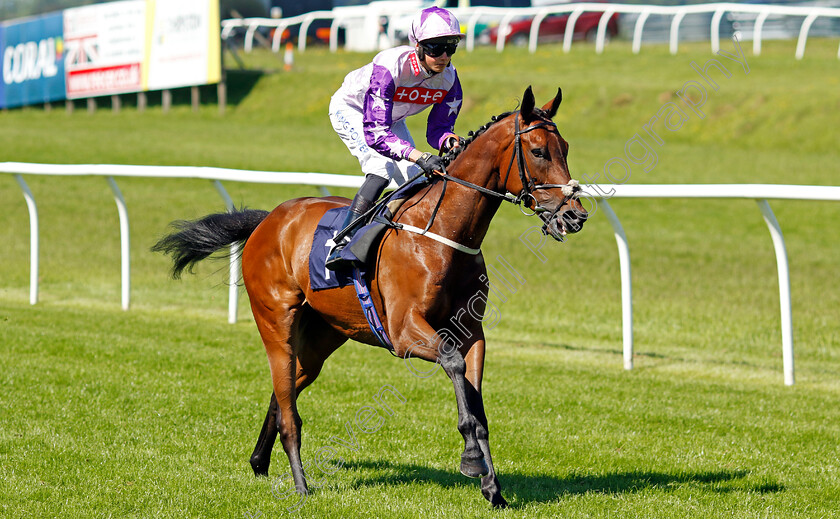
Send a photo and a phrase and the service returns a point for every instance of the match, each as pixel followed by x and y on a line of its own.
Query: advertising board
pixel 110 48
pixel 183 41
pixel 105 48
pixel 32 52
pixel 2 52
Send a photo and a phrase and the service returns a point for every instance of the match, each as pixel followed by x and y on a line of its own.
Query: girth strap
pixel 368 308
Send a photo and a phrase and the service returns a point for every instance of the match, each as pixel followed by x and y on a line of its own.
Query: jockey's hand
pixel 430 163
pixel 450 143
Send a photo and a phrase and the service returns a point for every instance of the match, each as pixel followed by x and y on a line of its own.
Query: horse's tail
pixel 196 239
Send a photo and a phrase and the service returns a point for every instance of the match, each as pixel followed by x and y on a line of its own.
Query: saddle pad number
pixel 419 95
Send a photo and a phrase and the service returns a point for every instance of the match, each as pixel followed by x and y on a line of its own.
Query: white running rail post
pixel 784 288
pixel 637 32
pixel 336 23
pixel 233 273
pixel 504 26
pixel 473 20
pixel 715 30
pixel 675 31
pixel 125 254
pixel 626 284
pixel 304 28
pixel 803 34
pixel 534 35
pixel 759 24
pixel 33 239
pixel 569 33
pixel 602 30
pixel 278 36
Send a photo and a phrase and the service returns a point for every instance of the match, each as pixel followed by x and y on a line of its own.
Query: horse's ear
pixel 528 103
pixel 551 107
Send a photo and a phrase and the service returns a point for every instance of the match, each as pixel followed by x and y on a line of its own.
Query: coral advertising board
pixel 111 48
pixel 33 65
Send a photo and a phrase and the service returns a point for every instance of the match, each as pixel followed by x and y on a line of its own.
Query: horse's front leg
pixel 473 462
pixel 490 486
pixel 428 345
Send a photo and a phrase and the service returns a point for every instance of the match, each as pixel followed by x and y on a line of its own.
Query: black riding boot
pixel 371 188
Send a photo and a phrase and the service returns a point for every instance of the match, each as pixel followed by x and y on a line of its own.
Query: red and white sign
pixel 136 45
pixel 98 81
pixel 419 95
pixel 105 45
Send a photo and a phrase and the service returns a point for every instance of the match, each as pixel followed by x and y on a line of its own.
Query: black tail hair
pixel 195 240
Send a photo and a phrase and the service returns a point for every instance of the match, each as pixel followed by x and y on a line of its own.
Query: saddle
pixel 361 251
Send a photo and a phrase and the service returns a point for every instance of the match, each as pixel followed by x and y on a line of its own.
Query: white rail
pixel 758 192
pixel 471 16
pixel 216 175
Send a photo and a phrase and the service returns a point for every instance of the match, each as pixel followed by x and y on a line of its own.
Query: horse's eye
pixel 540 153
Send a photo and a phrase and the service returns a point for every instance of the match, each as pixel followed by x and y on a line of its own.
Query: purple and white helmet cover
pixel 434 22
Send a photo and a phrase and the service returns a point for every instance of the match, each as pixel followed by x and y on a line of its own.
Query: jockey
pixel 368 112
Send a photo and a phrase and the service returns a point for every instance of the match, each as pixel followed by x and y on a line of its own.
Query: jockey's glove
pixel 450 143
pixel 430 163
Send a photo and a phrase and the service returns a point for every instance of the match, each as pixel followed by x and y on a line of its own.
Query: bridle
pixel 571 190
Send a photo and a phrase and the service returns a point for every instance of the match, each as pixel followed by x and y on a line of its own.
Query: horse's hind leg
pixel 313 341
pixel 275 318
pixel 261 457
pixel 316 340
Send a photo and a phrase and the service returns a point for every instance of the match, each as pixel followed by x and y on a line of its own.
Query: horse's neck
pixel 465 213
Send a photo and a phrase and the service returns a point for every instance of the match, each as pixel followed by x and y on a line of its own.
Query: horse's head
pixel 543 183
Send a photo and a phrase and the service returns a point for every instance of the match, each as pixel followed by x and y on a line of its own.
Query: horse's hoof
pixel 260 469
pixel 474 468
pixel 498 501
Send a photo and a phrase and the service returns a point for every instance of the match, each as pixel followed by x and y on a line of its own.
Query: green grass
pixel 154 412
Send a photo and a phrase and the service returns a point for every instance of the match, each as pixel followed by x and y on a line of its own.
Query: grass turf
pixel 153 412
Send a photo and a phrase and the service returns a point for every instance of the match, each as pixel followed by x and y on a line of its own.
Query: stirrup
pixel 334 260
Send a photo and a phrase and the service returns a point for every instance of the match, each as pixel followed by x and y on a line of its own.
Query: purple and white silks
pixel 392 87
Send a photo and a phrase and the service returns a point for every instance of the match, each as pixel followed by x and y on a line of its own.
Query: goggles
pixel 435 49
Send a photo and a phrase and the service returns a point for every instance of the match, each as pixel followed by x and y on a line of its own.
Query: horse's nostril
pixel 573 220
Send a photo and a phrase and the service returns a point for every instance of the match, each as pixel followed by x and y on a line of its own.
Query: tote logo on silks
pixel 419 95
pixel 415 65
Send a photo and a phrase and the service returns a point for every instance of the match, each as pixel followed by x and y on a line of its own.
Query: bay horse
pixel 417 284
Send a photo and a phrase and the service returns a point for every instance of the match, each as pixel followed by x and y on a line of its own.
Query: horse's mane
pixel 473 135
